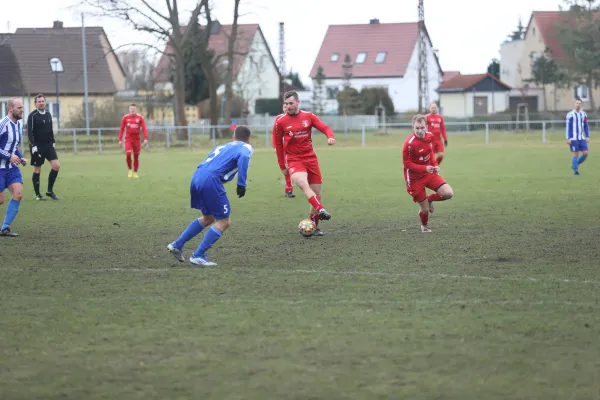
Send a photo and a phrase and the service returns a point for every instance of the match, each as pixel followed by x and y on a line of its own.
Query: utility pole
pixel 281 64
pixel 423 74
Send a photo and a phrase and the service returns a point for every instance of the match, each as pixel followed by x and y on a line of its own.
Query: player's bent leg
pixel 582 157
pixel 211 237
pixel 420 197
pixel 55 164
pixel 16 191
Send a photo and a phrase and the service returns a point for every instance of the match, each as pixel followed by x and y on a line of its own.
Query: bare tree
pixel 163 23
pixel 138 69
pixel 230 63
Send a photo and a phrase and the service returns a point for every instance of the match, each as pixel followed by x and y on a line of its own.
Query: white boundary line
pixel 187 267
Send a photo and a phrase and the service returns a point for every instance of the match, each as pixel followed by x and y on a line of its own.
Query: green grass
pixel 499 302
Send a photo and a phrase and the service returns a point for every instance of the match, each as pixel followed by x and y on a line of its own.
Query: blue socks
pixel 11 213
pixel 581 159
pixel 193 229
pixel 574 163
pixel 210 238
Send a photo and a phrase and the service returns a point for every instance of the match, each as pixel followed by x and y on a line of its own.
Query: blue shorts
pixel 9 176
pixel 209 196
pixel 578 145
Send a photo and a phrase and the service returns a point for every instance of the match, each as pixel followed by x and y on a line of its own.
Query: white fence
pixel 206 137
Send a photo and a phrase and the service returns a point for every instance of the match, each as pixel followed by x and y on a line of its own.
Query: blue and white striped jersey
pixel 227 160
pixel 577 125
pixel 10 136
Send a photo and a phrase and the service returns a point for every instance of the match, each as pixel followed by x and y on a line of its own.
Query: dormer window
pixel 334 57
pixel 380 58
pixel 360 58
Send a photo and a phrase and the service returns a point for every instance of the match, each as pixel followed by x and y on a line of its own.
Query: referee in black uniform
pixel 41 146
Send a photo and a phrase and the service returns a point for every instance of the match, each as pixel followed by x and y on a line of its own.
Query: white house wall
pixel 510 57
pixel 258 77
pixel 404 91
pixel 453 105
pixel 461 105
pixel 393 86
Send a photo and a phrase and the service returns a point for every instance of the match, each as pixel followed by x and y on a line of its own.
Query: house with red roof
pixel 382 55
pixel 255 72
pixel 517 57
pixel 464 96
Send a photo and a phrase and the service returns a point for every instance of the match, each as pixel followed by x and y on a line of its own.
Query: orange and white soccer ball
pixel 307 228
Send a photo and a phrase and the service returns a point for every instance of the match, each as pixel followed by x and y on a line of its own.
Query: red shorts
pixel 310 166
pixel 416 188
pixel 438 146
pixel 133 144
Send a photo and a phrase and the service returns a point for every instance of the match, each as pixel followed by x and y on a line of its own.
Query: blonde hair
pixel 418 118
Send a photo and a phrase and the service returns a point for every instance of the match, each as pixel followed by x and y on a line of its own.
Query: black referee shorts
pixel 44 152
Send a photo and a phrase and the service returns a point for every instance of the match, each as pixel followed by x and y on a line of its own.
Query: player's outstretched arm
pixel 144 129
pixel 243 164
pixel 586 127
pixel 122 129
pixel 322 127
pixel 278 132
pixel 443 129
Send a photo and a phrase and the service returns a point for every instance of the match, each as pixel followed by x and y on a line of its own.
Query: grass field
pixel 501 301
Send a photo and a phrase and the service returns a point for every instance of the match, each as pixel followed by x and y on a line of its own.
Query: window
pixel 380 58
pixel 54 109
pixel 360 58
pixel 334 57
pixel 583 92
pixel 3 109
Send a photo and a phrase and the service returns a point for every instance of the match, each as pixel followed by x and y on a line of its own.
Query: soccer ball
pixel 306 228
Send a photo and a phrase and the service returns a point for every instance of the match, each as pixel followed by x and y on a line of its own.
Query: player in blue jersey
pixel 578 135
pixel 209 196
pixel 11 132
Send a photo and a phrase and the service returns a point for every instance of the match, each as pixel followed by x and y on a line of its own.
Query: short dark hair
pixel 242 133
pixel 578 99
pixel 289 94
pixel 132 104
pixel 38 96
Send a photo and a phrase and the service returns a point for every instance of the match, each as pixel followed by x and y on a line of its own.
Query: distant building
pixel 25 69
pixel 463 96
pixel 382 55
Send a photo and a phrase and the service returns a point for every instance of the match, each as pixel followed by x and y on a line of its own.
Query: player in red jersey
pixel 131 125
pixel 289 189
pixel 296 156
pixel 435 124
pixel 421 171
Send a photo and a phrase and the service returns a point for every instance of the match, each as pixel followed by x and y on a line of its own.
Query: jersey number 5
pixel 216 152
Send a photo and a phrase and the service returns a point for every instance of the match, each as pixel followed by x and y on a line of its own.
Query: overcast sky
pixel 467 33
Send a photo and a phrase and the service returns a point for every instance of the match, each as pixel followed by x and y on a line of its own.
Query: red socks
pixel 288 184
pixel 136 162
pixel 315 203
pixel 128 158
pixel 424 218
pixel 315 218
pixel 434 197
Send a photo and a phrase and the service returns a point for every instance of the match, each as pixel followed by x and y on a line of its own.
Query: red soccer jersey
pixel 417 154
pixel 435 125
pixel 131 124
pixel 293 136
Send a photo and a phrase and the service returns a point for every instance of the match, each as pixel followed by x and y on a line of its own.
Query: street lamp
pixel 57 68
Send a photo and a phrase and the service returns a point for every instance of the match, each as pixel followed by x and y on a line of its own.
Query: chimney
pixel 374 21
pixel 57 25
pixel 215 27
